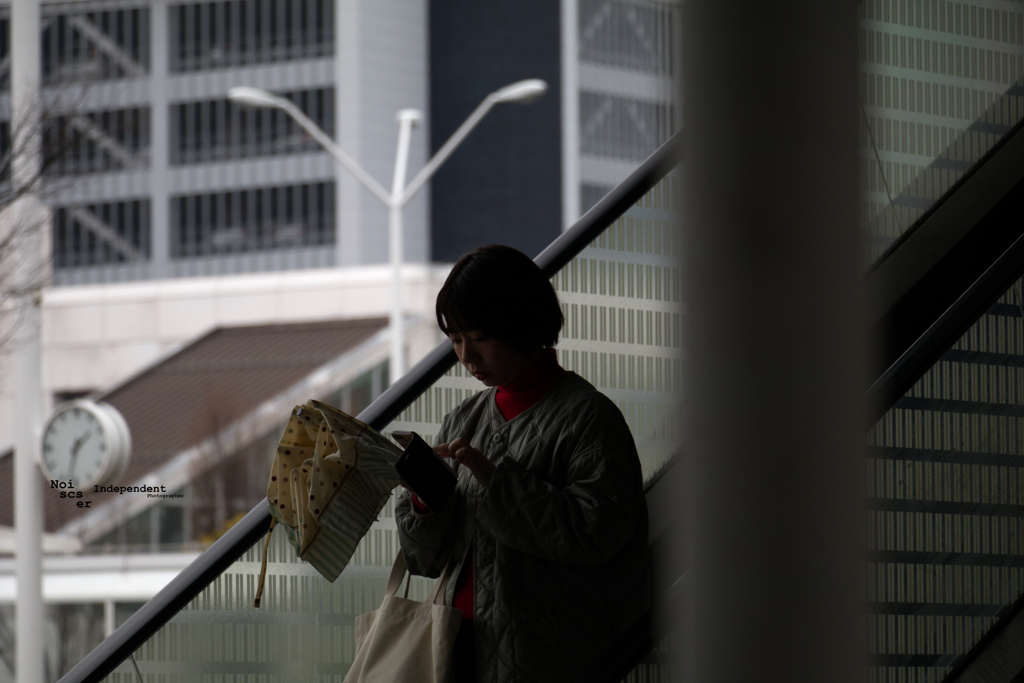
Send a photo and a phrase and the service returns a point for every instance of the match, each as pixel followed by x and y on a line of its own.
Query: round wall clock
pixel 86 443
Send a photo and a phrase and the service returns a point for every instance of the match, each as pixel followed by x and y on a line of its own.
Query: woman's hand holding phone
pixel 463 453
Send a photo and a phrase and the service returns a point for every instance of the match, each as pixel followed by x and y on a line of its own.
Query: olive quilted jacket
pixel 559 540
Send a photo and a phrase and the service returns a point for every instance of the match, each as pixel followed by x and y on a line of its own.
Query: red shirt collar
pixel 530 386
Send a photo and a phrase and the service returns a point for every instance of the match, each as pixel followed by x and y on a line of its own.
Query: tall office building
pixel 173 180
pixel 170 179
pixel 528 174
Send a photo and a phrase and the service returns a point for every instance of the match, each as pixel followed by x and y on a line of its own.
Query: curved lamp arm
pixel 522 91
pixel 336 151
pixel 256 97
pixel 446 150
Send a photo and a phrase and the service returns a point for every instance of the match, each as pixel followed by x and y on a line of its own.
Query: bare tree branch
pixel 59 131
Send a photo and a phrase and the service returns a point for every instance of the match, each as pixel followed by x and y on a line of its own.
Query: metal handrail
pixel 229 547
pixel 996 271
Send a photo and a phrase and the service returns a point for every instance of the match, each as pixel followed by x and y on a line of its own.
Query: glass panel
pixel 217 130
pixel 945 490
pixel 941 83
pixel 621 298
pixel 252 219
pixel 101 234
pixel 232 33
pixel 95 45
pixel 627 99
pixel 71 632
pixel 124 610
pixel 662 664
pixel 97 142
pixel 303 629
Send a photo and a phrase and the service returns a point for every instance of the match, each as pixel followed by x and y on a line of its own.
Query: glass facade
pixel 628 57
pixel 945 496
pixel 93 45
pixel 219 130
pixel 97 142
pixel 96 234
pixel 622 128
pixel 215 35
pixel 255 219
pixel 622 301
pixel 148 125
pixel 941 83
pixel 626 34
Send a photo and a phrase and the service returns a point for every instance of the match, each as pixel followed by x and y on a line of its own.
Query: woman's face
pixel 493 362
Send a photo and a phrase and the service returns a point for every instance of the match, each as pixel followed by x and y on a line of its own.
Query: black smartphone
pixel 426 472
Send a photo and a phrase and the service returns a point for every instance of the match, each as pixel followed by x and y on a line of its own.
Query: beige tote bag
pixel 405 641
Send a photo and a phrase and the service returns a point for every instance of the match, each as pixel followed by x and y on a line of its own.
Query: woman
pixel 548 523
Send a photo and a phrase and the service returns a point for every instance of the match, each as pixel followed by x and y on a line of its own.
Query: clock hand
pixel 74 452
pixel 78 443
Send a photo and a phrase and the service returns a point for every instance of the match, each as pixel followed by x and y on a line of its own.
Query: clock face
pixel 75 447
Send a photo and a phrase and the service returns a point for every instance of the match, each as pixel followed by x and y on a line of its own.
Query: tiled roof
pixel 209 384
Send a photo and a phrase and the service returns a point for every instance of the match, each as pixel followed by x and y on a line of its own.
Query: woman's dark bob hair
pixel 501 292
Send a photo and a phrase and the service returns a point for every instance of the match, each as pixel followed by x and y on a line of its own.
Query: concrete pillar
pixel 776 343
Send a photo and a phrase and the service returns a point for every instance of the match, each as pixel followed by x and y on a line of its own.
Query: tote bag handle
pixel 398 572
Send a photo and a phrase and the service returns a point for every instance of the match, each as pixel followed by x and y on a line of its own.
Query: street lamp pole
pixel 26 215
pixel 407 120
pixel 522 92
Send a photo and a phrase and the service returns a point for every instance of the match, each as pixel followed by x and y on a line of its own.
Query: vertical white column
pixel 27 217
pixel 396 318
pixel 109 618
pixel 570 113
pixel 159 172
pixel 407 120
pixel 776 343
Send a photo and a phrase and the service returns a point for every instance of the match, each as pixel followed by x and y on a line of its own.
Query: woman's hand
pixel 464 454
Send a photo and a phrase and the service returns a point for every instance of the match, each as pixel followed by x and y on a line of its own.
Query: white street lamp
pixel 522 92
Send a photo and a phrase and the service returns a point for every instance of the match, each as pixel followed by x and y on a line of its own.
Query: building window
pixel 93 46
pixel 214 35
pixel 97 142
pixel 627 34
pixel 622 128
pixel 219 130
pixel 252 220
pixel 101 234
